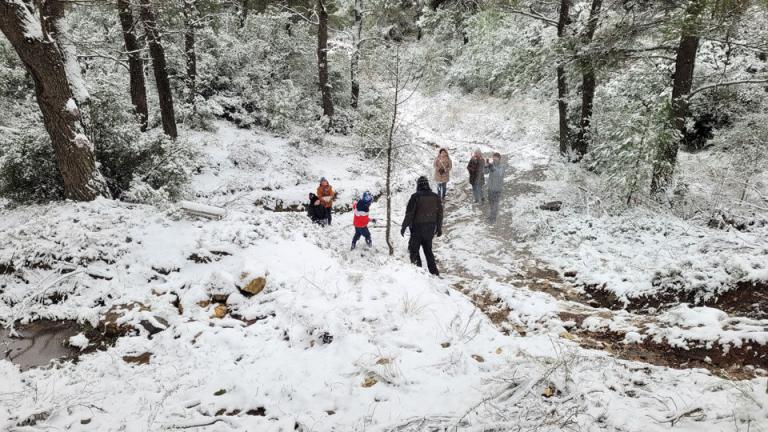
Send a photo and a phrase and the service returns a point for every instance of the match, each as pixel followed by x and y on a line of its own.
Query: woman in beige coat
pixel 442 167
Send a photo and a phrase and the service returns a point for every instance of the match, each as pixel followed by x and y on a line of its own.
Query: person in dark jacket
pixel 316 211
pixel 476 167
pixel 424 217
pixel 495 169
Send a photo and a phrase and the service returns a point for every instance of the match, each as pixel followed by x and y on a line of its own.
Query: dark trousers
pixel 421 237
pixel 477 192
pixel 493 199
pixel 328 214
pixel 364 232
pixel 441 189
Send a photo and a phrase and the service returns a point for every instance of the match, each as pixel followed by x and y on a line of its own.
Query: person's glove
pixel 439 232
pixel 402 231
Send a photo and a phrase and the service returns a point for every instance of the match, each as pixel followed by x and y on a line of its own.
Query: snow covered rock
pixel 219 285
pixel 253 279
pixel 79 341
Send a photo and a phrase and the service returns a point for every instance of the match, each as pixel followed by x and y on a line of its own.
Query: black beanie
pixel 422 183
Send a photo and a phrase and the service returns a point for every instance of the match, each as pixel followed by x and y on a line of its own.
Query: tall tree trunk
pixel 390 145
pixel 53 12
pixel 244 7
pixel 588 84
pixel 357 34
pixel 562 80
pixel 138 85
pixel 190 23
pixel 666 158
pixel 322 59
pixel 160 69
pixel 61 116
pixel 685 62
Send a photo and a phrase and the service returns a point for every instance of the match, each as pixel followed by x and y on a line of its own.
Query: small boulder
pixel 478 358
pixel 549 391
pixel 254 286
pixel 110 324
pixel 219 285
pixel 220 311
pixel 552 206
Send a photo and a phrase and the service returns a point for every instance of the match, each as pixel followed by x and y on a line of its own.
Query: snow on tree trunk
pixel 190 18
pixel 160 68
pixel 138 86
pixel 53 12
pixel 588 84
pixel 354 65
pixel 44 60
pixel 562 81
pixel 322 59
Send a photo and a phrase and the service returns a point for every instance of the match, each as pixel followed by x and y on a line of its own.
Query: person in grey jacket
pixel 495 170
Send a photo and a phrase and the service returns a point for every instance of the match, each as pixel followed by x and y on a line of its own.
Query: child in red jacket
pixel 361 219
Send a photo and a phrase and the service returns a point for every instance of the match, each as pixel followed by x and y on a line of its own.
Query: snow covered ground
pixel 337 340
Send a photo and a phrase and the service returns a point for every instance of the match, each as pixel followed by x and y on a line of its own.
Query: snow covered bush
pixel 261 74
pixel 130 159
pixel 499 62
pixel 200 117
pixel 13 77
pixel 28 171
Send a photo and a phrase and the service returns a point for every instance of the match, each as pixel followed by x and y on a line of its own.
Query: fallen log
pixel 202 210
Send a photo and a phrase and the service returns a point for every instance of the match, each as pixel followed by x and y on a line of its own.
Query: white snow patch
pixel 71 107
pixel 79 341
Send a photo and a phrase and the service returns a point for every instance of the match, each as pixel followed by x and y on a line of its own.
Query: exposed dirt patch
pixel 746 298
pixel 741 362
pixel 140 359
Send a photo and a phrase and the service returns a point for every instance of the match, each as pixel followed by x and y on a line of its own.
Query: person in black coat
pixel 424 217
pixel 316 211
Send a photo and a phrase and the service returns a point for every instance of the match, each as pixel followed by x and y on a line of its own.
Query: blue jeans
pixel 364 232
pixel 441 189
pixel 477 192
pixel 493 198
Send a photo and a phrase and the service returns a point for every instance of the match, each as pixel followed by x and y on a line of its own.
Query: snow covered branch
pixel 726 84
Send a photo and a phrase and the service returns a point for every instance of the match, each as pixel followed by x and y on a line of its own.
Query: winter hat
pixel 367 198
pixel 422 183
pixel 322 179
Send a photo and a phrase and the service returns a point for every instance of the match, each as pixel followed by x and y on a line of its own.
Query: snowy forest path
pixel 503 255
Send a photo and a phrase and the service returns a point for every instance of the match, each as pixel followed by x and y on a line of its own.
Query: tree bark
pixel 562 81
pixel 685 62
pixel 138 85
pixel 52 14
pixel 588 84
pixel 322 59
pixel 190 18
pixel 244 7
pixel 61 116
pixel 357 34
pixel 160 69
